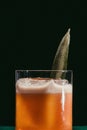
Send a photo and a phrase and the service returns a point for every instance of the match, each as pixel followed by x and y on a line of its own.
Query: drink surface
pixel 43 104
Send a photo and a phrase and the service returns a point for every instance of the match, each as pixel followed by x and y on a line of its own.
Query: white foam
pixel 38 85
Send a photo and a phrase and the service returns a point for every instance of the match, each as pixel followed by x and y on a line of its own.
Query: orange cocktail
pixel 45 107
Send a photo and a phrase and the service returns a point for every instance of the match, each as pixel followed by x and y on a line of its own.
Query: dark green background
pixel 29 36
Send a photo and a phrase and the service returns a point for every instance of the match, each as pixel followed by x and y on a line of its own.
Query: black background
pixel 29 36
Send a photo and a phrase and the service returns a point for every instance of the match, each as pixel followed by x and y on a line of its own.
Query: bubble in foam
pixel 42 85
pixel 61 81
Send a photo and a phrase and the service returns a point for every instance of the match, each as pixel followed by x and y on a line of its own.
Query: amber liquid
pixel 43 111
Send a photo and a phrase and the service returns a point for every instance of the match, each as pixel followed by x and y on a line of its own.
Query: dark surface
pixel 74 128
pixel 29 36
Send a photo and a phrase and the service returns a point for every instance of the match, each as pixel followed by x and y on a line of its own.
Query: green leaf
pixel 61 57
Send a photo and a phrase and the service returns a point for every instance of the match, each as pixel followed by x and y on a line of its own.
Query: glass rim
pixel 46 70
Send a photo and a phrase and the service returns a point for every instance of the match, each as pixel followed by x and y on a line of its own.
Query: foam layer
pixel 42 85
